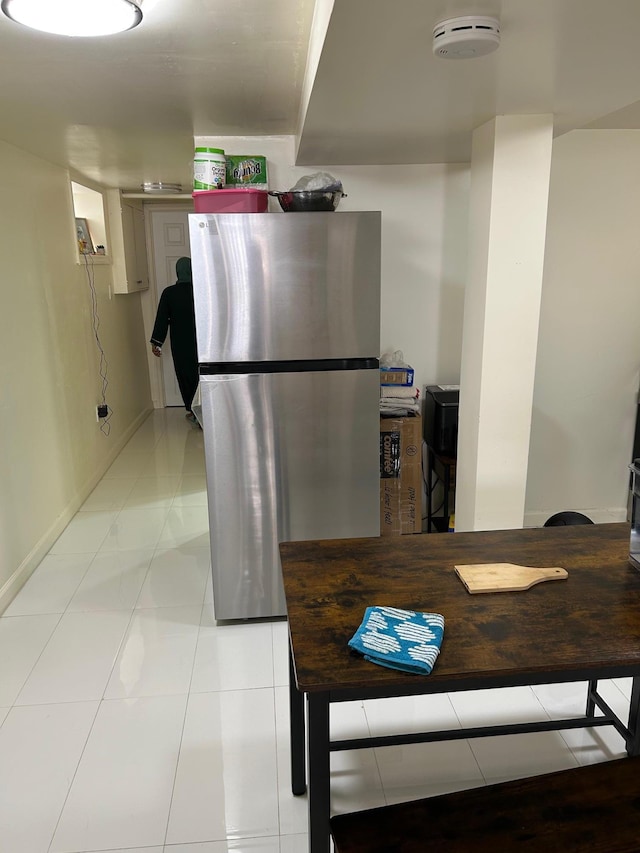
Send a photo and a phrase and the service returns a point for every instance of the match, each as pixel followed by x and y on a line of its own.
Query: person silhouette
pixel 176 316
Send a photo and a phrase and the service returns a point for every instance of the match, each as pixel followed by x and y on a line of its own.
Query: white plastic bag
pixel 393 359
pixel 319 181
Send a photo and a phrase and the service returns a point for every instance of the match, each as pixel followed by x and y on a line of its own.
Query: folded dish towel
pixel 398 406
pixel 407 402
pixel 399 391
pixel 400 639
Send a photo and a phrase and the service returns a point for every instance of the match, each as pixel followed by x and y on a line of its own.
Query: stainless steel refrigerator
pixel 288 327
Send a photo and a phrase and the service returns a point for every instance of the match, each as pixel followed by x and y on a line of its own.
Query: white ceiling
pixel 124 109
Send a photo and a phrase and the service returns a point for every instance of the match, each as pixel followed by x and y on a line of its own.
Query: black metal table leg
pixel 633 744
pixel 319 768
pixel 592 686
pixel 447 487
pixel 296 730
pixel 429 488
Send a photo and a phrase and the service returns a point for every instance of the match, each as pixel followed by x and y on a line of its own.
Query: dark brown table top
pixel 589 622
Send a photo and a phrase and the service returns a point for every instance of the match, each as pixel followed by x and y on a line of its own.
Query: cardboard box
pixel 396 376
pixel 400 475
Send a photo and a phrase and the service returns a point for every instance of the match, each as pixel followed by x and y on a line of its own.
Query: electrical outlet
pixel 101 412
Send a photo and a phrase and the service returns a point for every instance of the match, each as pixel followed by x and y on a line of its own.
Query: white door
pixel 170 236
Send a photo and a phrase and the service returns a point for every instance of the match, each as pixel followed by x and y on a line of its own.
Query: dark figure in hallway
pixel 176 315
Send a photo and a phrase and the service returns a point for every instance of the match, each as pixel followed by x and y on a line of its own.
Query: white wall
pixel 53 452
pixel 319 25
pixel 424 227
pixel 588 365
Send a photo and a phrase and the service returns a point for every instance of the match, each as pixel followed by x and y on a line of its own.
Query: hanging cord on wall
pixel 105 426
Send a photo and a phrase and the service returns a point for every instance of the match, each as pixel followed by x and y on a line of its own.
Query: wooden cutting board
pixel 505 577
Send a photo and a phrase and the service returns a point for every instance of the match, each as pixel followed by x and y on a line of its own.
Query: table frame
pixel 319 746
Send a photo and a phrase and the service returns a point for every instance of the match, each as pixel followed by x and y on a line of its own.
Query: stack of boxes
pixel 400 463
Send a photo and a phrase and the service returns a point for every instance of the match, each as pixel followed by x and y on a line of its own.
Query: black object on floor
pixel 562 518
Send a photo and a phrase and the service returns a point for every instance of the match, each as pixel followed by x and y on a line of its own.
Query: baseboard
pixel 18 579
pixel 597 515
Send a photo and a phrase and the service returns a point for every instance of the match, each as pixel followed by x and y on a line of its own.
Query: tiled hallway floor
pixel 130 721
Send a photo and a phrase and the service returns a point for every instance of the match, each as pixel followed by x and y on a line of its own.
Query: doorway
pixel 169 237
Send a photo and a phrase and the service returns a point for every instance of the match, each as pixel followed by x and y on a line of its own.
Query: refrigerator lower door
pixel 289 456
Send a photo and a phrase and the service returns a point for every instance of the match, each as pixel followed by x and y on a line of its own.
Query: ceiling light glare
pixel 161 187
pixel 75 17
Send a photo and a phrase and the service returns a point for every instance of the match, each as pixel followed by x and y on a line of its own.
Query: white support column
pixel 510 169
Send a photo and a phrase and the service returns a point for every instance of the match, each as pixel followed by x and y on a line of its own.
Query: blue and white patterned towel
pixel 400 639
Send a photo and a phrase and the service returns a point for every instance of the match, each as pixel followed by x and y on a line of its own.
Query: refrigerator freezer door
pixel 283 287
pixel 289 457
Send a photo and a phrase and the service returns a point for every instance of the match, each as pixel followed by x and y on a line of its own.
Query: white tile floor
pixel 130 721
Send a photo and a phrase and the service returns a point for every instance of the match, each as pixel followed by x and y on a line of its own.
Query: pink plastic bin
pixel 231 201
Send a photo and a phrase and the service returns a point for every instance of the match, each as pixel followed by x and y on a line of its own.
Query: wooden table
pixel 585 628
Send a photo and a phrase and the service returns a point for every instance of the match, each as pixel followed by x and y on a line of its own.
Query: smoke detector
pixel 466 37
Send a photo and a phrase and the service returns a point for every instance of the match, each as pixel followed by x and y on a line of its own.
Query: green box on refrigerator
pixel 247 170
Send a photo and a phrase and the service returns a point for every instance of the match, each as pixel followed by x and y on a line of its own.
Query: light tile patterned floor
pixel 131 721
